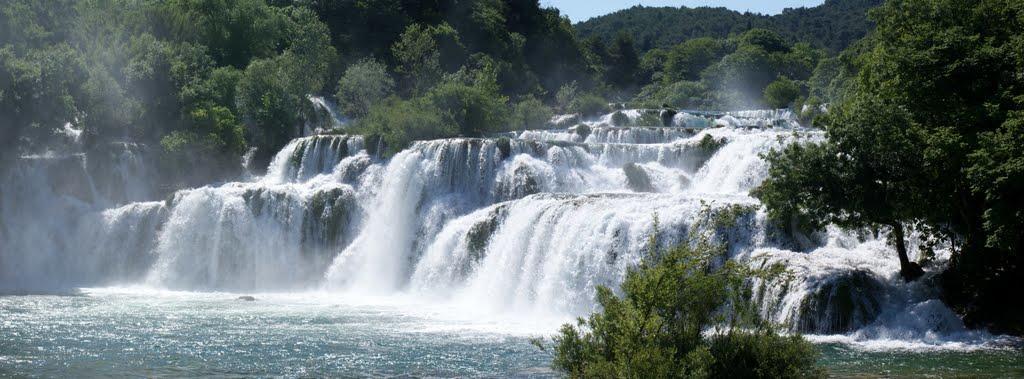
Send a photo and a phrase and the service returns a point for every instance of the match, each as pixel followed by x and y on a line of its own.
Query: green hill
pixel 832 25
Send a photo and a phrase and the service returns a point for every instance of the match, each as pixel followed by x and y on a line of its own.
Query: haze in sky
pixel 581 10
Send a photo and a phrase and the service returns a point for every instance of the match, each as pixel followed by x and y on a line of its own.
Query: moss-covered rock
pixel 295 160
pixel 568 144
pixel 667 117
pixel 564 121
pixel 327 217
pixel 582 130
pixel 843 304
pixel 637 178
pixel 709 145
pixel 504 147
pixel 620 119
pixel 480 233
pixel 520 184
pixel 375 145
pixel 255 200
pixel 648 117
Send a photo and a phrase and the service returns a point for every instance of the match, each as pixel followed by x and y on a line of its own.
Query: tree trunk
pixel 909 270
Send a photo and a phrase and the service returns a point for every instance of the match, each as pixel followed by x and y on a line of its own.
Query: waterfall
pixel 527 223
pixel 62 222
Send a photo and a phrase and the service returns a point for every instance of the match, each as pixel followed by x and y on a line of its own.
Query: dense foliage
pixel 203 81
pixel 927 132
pixel 833 25
pixel 658 327
pixel 730 73
pixel 364 85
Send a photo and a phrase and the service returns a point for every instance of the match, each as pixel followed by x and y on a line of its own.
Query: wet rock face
pixel 327 218
pixel 841 305
pixel 480 234
pixel 637 178
pixel 667 117
pixel 582 130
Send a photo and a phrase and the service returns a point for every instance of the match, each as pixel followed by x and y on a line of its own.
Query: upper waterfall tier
pixel 306 157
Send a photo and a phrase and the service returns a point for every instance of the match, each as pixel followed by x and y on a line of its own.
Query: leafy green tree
pixel 656 328
pixel 781 93
pixel 623 62
pixel 268 105
pixel 686 60
pixel 566 94
pixel 860 179
pixel 832 78
pixel 219 88
pixel 425 53
pixel 309 50
pixel 400 122
pixel 766 40
pixel 39 92
pixel 465 104
pixel 944 62
pixel 364 84
pixel 740 78
pixel 589 105
pixel 552 49
pixel 530 113
pixel 651 66
pixel 997 172
pixel 235 31
pixel 922 127
pixel 26 24
pixel 474 108
pixel 369 27
pixel 681 94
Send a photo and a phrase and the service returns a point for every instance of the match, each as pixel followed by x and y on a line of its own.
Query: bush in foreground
pixel 656 329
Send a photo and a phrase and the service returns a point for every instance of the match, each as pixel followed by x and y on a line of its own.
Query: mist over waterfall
pixel 526 223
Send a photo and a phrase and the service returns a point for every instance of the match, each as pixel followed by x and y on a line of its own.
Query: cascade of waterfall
pixel 527 223
pixel 62 221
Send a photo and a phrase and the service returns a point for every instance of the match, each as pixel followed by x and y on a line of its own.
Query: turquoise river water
pixel 139 332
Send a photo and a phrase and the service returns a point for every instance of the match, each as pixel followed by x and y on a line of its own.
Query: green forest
pixel 206 80
pixel 833 25
pixel 922 102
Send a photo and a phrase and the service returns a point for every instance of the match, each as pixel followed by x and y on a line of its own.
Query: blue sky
pixel 580 10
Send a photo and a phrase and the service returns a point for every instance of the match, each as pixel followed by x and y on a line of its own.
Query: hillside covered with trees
pixel 204 81
pixel 207 80
pixel 833 25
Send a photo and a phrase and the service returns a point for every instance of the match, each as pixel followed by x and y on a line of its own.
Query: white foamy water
pixel 517 228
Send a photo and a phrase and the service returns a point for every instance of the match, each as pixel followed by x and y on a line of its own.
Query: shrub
pixel 530 114
pixel 474 109
pixel 566 94
pixel 589 105
pixel 763 355
pixel 400 122
pixel 781 93
pixel 364 85
pixel 656 328
pixel 681 94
